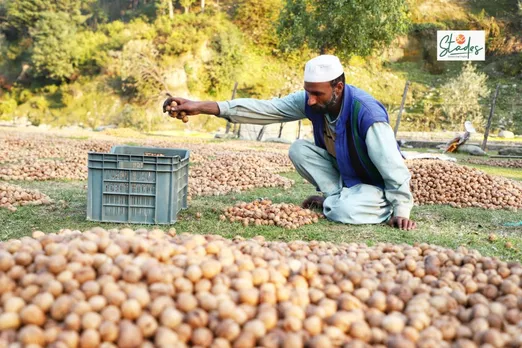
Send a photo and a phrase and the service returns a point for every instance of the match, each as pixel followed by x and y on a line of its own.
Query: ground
pixel 437 224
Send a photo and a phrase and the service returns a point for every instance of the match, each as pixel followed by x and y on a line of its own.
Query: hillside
pixel 113 61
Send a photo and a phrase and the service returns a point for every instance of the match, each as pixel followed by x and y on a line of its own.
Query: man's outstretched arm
pixel 246 110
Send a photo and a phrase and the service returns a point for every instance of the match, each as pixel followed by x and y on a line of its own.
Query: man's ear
pixel 339 87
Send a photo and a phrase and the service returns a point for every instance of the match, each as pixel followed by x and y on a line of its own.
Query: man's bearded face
pixel 323 108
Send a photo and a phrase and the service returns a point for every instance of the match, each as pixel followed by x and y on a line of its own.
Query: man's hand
pixel 189 107
pixel 402 223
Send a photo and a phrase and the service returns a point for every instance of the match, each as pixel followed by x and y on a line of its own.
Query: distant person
pixel 355 162
pixel 453 144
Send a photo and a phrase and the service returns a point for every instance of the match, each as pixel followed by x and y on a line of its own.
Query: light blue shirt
pixel 380 140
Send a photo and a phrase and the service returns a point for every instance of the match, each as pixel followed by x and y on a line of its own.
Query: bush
pixel 7 107
pixel 461 97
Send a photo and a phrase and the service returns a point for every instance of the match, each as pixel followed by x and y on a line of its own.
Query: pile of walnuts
pixel 41 157
pixel 442 182
pixel 126 288
pixel 40 170
pixel 233 173
pixel 263 212
pixel 12 196
pixel 218 168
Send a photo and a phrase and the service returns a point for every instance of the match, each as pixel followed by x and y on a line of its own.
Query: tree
pixel 171 9
pixel 257 18
pixel 22 15
pixel 461 97
pixel 345 28
pixel 53 53
pixel 186 4
pixel 141 70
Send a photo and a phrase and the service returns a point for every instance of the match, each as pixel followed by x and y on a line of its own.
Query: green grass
pixel 78 137
pixel 441 225
pixel 511 173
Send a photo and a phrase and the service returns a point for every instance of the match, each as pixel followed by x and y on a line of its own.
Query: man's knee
pixel 298 149
pixel 343 212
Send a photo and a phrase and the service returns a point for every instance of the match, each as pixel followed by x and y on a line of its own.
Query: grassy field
pixel 441 225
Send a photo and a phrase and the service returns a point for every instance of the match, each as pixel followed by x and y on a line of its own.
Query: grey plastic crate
pixel 133 184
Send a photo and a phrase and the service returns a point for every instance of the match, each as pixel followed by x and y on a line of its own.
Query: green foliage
pixel 24 96
pixel 217 43
pixel 344 27
pixel 258 19
pixel 461 97
pixel 23 15
pixel 7 107
pixel 186 34
pixel 88 49
pixel 84 59
pixel 120 33
pixel 225 63
pixel 54 49
pixel 512 65
pixel 186 4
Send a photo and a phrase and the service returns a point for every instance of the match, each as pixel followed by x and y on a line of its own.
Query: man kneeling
pixel 355 161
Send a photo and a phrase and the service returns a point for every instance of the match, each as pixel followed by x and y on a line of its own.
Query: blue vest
pixel 360 110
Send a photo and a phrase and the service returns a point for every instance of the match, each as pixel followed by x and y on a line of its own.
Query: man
pixel 355 162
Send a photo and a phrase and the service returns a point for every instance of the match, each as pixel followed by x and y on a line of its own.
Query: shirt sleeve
pixel 382 149
pixel 261 112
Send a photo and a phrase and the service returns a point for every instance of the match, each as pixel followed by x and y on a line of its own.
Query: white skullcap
pixel 324 68
pixel 469 127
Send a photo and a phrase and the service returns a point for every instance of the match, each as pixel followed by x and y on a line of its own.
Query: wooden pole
pixel 233 96
pixel 281 127
pixel 491 112
pixel 299 129
pixel 261 133
pixel 281 130
pixel 398 122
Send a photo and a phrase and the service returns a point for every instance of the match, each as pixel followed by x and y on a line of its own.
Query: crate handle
pixel 155 154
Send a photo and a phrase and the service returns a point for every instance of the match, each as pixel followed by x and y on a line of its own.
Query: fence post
pixel 491 112
pixel 233 96
pixel 398 122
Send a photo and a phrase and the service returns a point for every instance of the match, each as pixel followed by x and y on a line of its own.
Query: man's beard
pixel 323 109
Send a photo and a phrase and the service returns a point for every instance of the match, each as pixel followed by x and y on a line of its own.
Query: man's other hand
pixel 402 223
